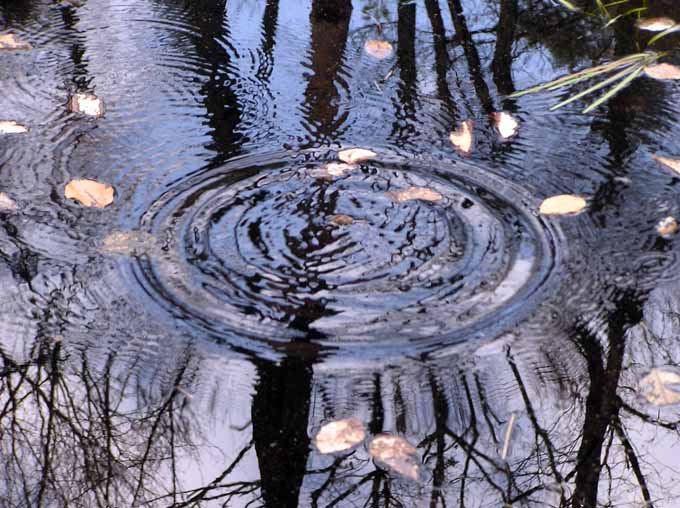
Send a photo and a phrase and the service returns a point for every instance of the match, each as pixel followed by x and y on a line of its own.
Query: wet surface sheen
pixel 183 346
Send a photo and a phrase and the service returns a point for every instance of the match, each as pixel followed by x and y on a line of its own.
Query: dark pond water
pixel 193 363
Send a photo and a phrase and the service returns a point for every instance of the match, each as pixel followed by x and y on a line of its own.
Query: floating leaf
pixel 89 193
pixel 354 155
pixel 422 193
pixel 13 42
pixel 661 386
pixel 655 24
pixel 667 227
pixel 11 127
pixel 505 124
pixel 7 204
pixel 396 454
pixel 342 220
pixel 378 49
pixel 462 137
pixel 340 435
pixel 673 164
pixel 564 204
pixel 87 104
pixel 663 71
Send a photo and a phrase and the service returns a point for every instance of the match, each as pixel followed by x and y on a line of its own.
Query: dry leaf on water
pixel 7 204
pixel 673 164
pixel 11 127
pixel 655 24
pixel 661 386
pixel 462 137
pixel 89 193
pixel 565 204
pixel 506 125
pixel 422 193
pixel 354 155
pixel 13 42
pixel 340 436
pixel 342 220
pixel 667 227
pixel 378 49
pixel 87 104
pixel 396 454
pixel 663 71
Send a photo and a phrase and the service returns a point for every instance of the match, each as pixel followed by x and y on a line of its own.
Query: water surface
pixel 183 346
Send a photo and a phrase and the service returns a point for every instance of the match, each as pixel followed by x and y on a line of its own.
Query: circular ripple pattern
pixel 272 250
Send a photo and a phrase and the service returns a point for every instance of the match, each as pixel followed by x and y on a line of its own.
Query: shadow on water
pixel 192 363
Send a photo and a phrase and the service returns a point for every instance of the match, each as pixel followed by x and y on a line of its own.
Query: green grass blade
pixel 569 6
pixel 581 75
pixel 658 36
pixel 595 88
pixel 624 83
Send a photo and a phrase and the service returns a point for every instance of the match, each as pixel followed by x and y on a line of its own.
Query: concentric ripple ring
pixel 272 250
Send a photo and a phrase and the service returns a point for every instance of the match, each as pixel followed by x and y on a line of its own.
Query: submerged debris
pixel 7 204
pixel 331 170
pixel 342 220
pixel 564 204
pixel 340 436
pixel 661 386
pixel 462 137
pixel 87 104
pixel 13 42
pixel 355 155
pixel 396 454
pixel 506 125
pixel 89 193
pixel 672 164
pixel 11 127
pixel 412 193
pixel 127 243
pixel 378 49
pixel 667 227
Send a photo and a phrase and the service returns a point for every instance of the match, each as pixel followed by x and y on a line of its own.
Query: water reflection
pixel 111 397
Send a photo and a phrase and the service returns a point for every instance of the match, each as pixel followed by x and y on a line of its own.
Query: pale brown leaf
pixel 667 227
pixel 655 24
pixel 506 125
pixel 564 204
pixel 13 42
pixel 11 127
pixel 340 435
pixel 89 193
pixel 661 386
pixel 87 104
pixel 422 193
pixel 673 164
pixel 663 71
pixel 396 454
pixel 378 49
pixel 462 137
pixel 7 204
pixel 355 155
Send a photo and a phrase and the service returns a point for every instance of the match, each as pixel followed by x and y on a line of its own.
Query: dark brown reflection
pixel 501 66
pixel 405 101
pixel 213 46
pixel 330 26
pixel 441 55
